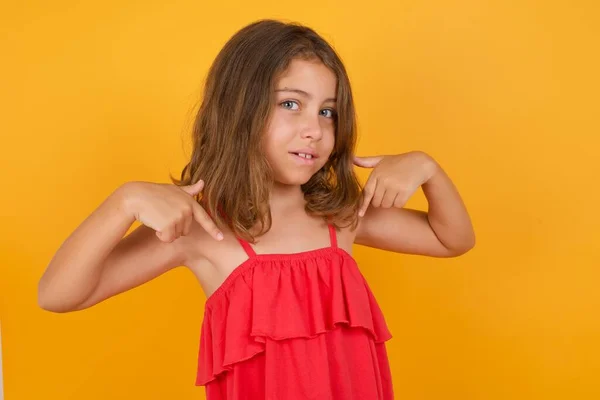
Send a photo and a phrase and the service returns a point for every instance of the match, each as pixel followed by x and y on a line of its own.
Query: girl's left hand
pixel 394 179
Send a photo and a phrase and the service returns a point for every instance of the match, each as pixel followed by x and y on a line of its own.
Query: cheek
pixel 274 142
pixel 269 147
pixel 278 128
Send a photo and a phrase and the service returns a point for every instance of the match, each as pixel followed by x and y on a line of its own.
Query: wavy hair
pixel 233 116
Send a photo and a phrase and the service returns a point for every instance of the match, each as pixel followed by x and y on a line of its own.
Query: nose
pixel 312 128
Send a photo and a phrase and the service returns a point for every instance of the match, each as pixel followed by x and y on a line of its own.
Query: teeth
pixel 307 156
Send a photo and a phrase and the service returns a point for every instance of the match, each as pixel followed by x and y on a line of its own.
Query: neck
pixel 286 198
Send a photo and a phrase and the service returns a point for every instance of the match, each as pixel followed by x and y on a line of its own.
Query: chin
pixel 294 179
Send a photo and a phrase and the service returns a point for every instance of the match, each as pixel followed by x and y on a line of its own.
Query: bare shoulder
pixel 196 248
pixel 346 237
pixel 208 259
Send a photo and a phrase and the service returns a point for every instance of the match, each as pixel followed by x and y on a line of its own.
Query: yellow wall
pixel 504 96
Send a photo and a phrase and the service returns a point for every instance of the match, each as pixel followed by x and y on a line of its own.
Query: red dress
pixel 294 327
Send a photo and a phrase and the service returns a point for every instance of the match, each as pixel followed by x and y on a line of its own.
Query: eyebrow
pixel 302 92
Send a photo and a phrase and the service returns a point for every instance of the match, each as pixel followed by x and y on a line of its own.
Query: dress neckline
pixel 257 258
pixel 253 258
pixel 251 253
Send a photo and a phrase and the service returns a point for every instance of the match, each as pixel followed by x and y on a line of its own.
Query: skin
pixel 97 262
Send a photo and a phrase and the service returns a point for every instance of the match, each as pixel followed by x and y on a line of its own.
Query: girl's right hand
pixel 168 209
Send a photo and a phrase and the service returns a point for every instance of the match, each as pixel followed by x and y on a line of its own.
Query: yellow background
pixel 503 94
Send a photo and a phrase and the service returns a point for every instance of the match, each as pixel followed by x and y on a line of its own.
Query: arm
pixel 445 230
pixel 95 262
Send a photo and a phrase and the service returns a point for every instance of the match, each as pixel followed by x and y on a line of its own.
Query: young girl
pixel 265 215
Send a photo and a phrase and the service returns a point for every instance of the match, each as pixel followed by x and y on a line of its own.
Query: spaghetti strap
pixel 247 248
pixel 332 236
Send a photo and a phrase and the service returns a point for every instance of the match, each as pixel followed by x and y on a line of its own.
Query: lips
pixel 305 152
pixel 304 155
pixel 302 158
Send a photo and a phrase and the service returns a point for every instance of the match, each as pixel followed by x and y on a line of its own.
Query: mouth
pixel 304 158
pixel 308 156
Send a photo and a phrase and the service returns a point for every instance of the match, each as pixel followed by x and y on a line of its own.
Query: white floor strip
pixel 1 374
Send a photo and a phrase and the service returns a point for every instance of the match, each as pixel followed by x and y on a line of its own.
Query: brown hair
pixel 227 132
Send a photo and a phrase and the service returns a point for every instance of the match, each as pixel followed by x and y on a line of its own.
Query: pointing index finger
pixel 368 192
pixel 206 222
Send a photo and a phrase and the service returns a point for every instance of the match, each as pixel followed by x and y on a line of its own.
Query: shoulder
pixel 196 246
pixel 346 237
pixel 201 248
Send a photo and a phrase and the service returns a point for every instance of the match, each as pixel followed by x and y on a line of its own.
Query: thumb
pixel 367 162
pixel 194 189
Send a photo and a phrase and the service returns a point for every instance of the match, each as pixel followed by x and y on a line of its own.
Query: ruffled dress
pixel 294 327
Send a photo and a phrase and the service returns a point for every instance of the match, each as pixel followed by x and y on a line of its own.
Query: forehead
pixel 311 76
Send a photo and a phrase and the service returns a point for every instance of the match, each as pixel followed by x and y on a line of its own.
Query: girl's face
pixel 301 133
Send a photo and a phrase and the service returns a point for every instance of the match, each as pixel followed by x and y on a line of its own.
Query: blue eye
pixel 331 113
pixel 286 104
